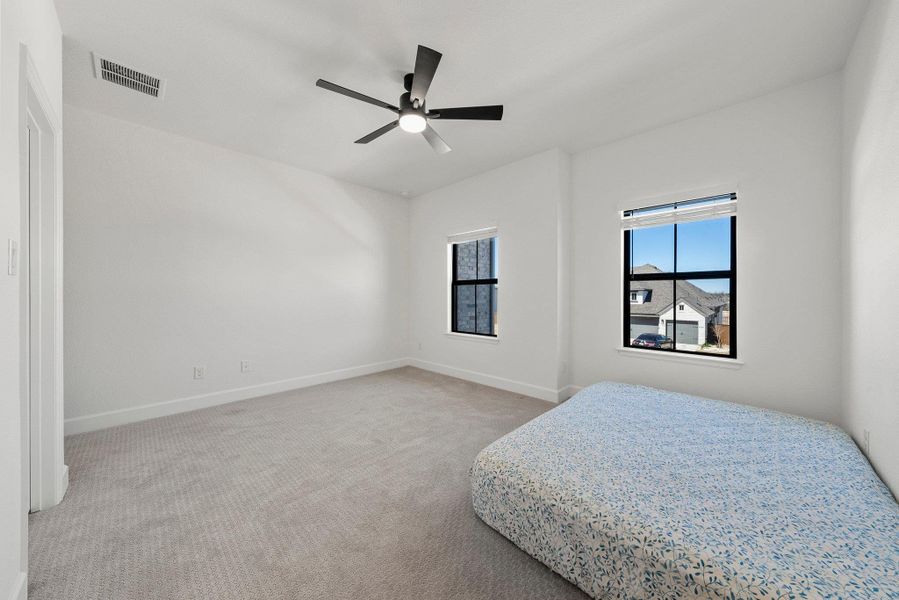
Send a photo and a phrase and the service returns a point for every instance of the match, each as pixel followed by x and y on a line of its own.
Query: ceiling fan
pixel 413 114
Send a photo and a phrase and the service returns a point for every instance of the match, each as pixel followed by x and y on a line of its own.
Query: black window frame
pixel 675 276
pixel 456 283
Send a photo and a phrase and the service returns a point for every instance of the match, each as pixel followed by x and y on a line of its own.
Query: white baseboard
pixel 19 589
pixel 510 385
pixel 179 405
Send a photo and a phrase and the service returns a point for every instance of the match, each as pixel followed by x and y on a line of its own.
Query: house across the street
pixel 703 318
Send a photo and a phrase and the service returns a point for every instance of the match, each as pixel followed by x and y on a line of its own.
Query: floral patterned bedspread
pixel 632 492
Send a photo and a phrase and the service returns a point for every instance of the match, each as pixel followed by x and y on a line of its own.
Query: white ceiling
pixel 572 74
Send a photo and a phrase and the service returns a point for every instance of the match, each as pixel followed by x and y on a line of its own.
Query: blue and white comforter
pixel 631 492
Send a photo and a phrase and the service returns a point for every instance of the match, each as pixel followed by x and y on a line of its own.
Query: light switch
pixel 12 261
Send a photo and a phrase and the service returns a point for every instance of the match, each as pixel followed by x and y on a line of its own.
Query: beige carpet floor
pixel 355 489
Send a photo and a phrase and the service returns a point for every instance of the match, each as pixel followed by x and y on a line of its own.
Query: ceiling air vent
pixel 127 77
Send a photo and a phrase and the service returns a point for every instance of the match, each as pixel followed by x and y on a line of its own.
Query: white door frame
pixel 41 293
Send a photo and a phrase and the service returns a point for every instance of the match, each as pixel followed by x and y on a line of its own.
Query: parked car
pixel 653 340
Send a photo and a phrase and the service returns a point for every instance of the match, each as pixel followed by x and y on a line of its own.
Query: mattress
pixel 632 492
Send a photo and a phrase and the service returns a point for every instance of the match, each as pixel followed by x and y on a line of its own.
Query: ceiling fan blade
pixel 426 62
pixel 435 140
pixel 481 113
pixel 352 94
pixel 378 132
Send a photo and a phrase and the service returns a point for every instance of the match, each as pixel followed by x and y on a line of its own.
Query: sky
pixel 701 246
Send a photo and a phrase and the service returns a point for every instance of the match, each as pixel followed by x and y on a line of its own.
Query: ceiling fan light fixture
pixel 413 123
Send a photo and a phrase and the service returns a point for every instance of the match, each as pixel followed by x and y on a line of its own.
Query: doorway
pixel 40 265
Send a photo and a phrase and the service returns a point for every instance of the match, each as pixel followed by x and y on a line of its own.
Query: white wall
pixel 33 23
pixel 528 201
pixel 179 253
pixel 782 151
pixel 871 245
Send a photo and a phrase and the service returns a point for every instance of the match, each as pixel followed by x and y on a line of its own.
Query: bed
pixel 633 492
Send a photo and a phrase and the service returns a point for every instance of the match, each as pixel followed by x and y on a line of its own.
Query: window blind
pixel 698 209
pixel 471 236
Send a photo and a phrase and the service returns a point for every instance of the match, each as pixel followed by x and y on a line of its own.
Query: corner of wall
pixel 870 267
pixel 563 277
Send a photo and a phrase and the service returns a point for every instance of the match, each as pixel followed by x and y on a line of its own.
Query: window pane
pixel 467 260
pixel 476 309
pixel 476 260
pixel 704 245
pixel 647 300
pixel 485 259
pixel 495 293
pixel 475 305
pixel 486 309
pixel 652 249
pixel 699 321
pixel 465 309
pixel 495 260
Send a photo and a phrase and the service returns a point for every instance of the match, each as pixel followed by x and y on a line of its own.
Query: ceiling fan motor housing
pixel 407 105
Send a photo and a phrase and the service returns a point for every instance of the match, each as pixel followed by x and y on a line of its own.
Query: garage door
pixel 687 332
pixel 644 325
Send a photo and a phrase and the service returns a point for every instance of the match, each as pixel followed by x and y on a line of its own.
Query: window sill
pixel 711 361
pixel 484 339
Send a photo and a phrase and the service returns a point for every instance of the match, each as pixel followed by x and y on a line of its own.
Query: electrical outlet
pixel 244 366
pixel 200 372
pixel 866 441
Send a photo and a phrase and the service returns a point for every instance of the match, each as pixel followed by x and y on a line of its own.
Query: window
pixel 683 254
pixel 474 287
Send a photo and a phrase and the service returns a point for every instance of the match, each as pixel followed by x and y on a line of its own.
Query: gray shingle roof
pixel 661 293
